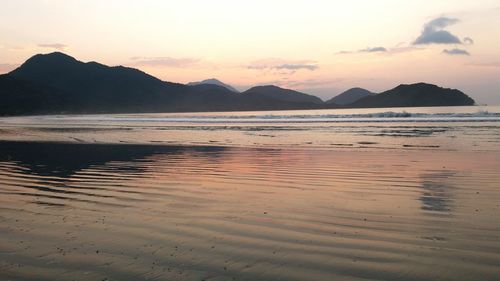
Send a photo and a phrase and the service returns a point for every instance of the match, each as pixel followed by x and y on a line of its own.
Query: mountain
pixel 214 81
pixel 56 83
pixel 420 94
pixel 277 93
pixel 93 87
pixel 18 97
pixel 350 96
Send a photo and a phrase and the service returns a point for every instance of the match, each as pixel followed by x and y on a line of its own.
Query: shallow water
pixel 372 194
pixel 144 212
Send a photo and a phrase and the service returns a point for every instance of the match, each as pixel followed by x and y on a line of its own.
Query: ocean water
pixel 445 128
pixel 372 194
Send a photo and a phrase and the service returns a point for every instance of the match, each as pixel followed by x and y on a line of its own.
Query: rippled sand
pixel 148 212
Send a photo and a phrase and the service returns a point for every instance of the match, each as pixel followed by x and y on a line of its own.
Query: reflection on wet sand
pixel 139 212
pixel 437 193
pixel 64 160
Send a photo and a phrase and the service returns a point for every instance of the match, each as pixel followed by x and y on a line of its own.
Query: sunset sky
pixel 319 47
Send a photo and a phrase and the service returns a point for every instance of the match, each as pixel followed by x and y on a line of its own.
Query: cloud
pixel 57 46
pixel 311 83
pixel 373 50
pixel 7 67
pixel 344 52
pixel 399 48
pixel 456 52
pixel 434 33
pixel 287 67
pixel 165 62
pixel 468 41
pixel 323 88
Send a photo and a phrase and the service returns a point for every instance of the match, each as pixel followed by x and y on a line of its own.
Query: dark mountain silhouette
pixel 18 96
pixel 350 96
pixel 274 92
pixel 93 87
pixel 214 81
pixel 57 83
pixel 420 94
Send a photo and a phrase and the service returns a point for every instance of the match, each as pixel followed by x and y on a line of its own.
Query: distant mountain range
pixel 57 83
pixel 213 81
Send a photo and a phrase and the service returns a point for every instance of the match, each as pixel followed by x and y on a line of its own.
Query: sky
pixel 318 47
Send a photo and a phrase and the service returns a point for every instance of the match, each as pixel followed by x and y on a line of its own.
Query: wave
pixel 286 117
pixel 387 114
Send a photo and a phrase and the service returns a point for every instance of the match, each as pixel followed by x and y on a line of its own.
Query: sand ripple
pixel 139 212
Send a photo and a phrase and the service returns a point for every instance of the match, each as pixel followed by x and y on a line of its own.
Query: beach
pixel 375 194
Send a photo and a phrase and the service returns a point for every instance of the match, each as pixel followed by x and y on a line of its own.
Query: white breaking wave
pixel 287 117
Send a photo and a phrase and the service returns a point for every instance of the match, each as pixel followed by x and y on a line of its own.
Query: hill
pixel 419 94
pixel 349 96
pixel 274 92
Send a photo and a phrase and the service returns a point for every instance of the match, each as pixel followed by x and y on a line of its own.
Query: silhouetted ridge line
pixel 419 94
pixel 56 83
pixel 350 96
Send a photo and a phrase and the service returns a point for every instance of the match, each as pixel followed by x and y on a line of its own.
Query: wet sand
pixel 73 211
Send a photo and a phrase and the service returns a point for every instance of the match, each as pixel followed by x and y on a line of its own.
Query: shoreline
pixel 242 110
